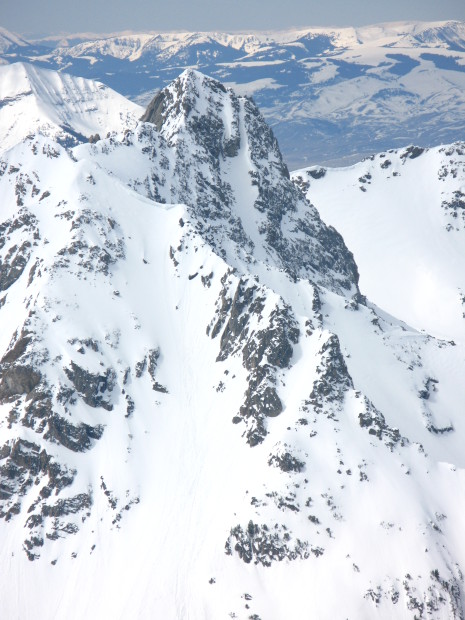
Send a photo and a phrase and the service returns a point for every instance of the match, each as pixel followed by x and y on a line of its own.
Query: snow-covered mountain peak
pixel 68 108
pixel 190 95
pixel 194 389
pixel 228 168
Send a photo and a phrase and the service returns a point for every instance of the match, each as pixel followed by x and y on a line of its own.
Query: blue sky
pixel 54 16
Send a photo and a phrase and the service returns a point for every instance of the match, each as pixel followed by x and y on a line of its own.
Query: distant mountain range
pixel 330 94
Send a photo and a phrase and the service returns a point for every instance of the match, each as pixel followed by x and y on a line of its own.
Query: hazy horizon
pixel 63 17
pixel 135 31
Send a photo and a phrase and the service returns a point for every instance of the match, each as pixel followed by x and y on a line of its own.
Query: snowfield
pixel 402 215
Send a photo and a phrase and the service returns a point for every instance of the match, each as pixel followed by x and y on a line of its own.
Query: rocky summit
pixel 202 415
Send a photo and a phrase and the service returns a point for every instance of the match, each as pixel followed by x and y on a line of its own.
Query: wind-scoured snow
pixel 201 416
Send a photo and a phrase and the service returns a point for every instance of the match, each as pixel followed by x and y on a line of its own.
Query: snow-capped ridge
pixel 443 35
pixel 132 46
pixel 10 40
pixel 58 104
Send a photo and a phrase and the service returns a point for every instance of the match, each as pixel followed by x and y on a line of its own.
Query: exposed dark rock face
pixel 18 377
pixel 55 521
pixel 431 597
pixel 302 183
pixel 25 464
pixel 286 462
pixel 92 388
pixel 16 246
pixel 17 380
pixel 274 343
pixel 319 173
pixel 426 393
pixel 430 386
pixel 264 350
pixel 154 112
pixel 179 102
pixel 79 255
pixel 22 463
pixel 76 438
pixel 150 363
pixel 374 421
pixel 153 358
pixel 65 507
pixel 269 349
pixel 25 461
pixel 14 264
pixel 412 152
pixel 261 544
pixel 333 380
pixel 454 207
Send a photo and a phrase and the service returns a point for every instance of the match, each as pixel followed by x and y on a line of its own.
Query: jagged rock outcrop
pixel 264 217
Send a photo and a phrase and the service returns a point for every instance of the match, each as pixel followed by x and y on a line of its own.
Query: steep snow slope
pixel 402 215
pixel 200 415
pixel 67 108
